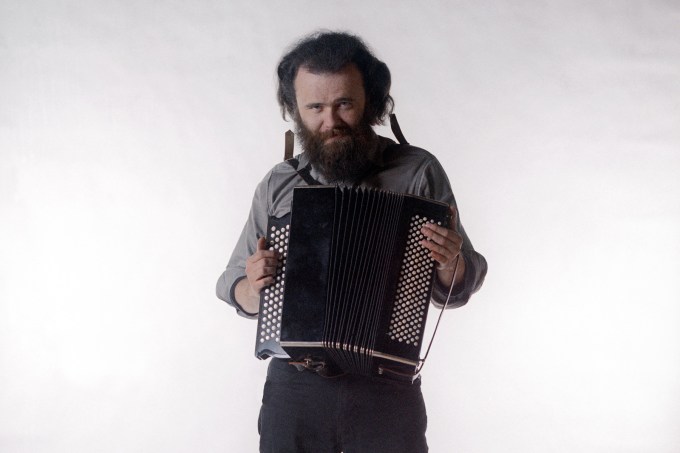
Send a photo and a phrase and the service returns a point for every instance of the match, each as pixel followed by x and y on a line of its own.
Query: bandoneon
pixel 353 285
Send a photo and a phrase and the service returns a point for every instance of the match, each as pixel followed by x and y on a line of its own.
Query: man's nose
pixel 331 119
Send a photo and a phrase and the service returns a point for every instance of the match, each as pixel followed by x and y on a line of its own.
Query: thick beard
pixel 346 159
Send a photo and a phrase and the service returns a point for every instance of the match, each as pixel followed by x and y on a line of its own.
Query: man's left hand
pixel 444 245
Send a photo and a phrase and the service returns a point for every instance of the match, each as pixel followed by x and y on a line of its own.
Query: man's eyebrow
pixel 311 105
pixel 335 101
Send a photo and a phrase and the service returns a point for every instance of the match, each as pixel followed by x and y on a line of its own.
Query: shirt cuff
pixel 237 306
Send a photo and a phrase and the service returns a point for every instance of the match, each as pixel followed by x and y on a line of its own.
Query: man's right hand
pixel 260 271
pixel 261 267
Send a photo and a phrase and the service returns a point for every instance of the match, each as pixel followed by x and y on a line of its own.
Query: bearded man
pixel 335 89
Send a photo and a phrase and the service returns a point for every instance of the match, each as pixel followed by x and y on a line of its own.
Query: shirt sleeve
pixel 435 184
pixel 254 228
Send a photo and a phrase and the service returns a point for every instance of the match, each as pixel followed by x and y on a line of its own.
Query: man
pixel 335 90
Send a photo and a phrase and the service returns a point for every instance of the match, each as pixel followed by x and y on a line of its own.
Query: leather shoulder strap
pixel 303 172
pixel 289 138
pixel 396 130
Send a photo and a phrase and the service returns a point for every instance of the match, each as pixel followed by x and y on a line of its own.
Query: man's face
pixel 330 104
pixel 330 123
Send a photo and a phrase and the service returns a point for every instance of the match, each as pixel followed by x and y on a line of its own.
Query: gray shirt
pixel 400 168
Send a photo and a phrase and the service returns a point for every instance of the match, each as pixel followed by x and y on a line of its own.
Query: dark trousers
pixel 304 412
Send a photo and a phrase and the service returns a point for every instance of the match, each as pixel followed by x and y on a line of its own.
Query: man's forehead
pixel 310 82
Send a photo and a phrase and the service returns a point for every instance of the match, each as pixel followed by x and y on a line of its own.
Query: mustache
pixel 341 131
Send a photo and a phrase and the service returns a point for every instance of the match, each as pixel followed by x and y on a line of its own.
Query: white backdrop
pixel 132 135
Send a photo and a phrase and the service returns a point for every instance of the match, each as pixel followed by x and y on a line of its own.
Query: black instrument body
pixel 353 287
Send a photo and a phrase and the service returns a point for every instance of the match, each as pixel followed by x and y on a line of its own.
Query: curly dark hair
pixel 328 52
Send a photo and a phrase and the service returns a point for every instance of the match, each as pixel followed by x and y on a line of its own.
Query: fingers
pixel 438 234
pixel 443 243
pixel 262 253
pixel 444 247
pixel 443 231
pixel 261 266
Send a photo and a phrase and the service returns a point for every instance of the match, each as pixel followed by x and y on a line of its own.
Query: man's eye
pixel 345 105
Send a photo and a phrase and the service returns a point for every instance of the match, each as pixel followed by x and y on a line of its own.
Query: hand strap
pixel 439 318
